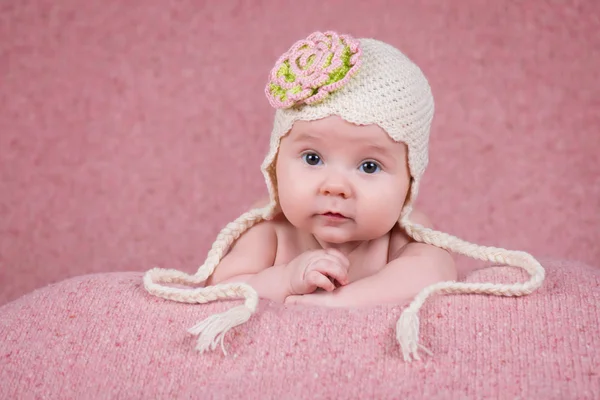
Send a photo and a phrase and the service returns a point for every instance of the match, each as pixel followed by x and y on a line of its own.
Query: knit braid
pixel 225 239
pixel 212 330
pixel 407 328
pixel 208 294
pixel 446 241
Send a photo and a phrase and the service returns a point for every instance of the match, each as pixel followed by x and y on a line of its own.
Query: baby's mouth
pixel 334 215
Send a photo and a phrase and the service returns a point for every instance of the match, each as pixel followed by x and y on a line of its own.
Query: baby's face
pixel 341 182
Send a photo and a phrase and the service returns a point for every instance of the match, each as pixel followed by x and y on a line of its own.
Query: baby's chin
pixel 334 235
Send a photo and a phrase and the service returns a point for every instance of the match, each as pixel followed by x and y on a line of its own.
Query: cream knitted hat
pixel 364 82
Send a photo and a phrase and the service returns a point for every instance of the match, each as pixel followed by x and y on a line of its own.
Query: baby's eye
pixel 311 158
pixel 370 167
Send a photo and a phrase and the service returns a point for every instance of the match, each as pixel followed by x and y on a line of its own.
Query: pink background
pixel 131 132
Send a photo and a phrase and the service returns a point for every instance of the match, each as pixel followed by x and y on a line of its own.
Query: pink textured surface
pixel 131 132
pixel 102 336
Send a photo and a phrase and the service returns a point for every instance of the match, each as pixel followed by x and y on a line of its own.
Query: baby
pixel 348 150
pixel 338 188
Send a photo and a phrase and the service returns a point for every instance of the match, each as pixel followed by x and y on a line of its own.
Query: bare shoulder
pixel 431 260
pixel 399 238
pixel 252 252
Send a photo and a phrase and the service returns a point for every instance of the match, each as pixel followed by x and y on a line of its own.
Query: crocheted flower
pixel 313 68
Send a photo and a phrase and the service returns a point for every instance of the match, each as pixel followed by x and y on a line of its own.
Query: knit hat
pixel 362 81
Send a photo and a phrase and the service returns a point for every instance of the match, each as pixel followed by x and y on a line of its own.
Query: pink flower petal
pixel 318 49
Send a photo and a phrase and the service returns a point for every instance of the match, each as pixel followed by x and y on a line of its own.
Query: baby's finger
pixel 328 253
pixel 337 258
pixel 330 266
pixel 320 280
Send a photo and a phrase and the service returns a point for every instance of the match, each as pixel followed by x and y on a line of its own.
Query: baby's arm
pixel 412 268
pixel 420 265
pixel 251 260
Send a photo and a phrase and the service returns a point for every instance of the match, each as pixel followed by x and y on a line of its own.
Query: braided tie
pixel 212 330
pixel 407 327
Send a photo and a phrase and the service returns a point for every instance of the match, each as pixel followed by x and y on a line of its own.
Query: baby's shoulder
pixel 278 225
pixel 287 241
pixel 399 239
pixel 277 230
pixel 428 256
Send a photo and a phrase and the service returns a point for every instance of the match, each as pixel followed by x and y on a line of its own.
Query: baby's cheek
pixel 386 209
pixel 292 203
pixel 379 221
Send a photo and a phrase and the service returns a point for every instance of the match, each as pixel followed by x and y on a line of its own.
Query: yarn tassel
pixel 407 334
pixel 212 330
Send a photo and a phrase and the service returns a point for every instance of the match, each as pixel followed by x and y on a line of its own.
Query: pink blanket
pixel 102 336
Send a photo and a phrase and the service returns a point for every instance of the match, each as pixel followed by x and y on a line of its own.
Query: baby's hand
pixel 317 269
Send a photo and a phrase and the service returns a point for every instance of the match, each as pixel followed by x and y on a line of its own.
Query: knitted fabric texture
pixel 100 337
pixel 389 90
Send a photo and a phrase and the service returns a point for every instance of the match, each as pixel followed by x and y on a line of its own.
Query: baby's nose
pixel 336 187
